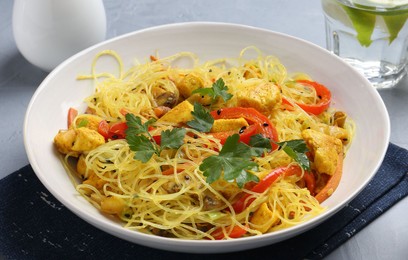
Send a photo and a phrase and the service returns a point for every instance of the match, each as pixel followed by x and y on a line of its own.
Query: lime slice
pixel 364 24
pixel 394 25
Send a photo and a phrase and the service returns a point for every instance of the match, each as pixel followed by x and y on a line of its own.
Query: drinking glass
pixel 371 35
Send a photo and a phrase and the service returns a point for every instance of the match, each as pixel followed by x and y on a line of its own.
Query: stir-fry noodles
pixel 219 150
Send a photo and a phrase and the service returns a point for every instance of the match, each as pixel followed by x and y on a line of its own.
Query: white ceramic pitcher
pixel 49 31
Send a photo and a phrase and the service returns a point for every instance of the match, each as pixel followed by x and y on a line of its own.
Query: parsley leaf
pixel 234 161
pixel 142 143
pixel 218 89
pixel 173 138
pixel 260 144
pixel 297 149
pixel 143 147
pixel 221 90
pixel 135 125
pixel 203 121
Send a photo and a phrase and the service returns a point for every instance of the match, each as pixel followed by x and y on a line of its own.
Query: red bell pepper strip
pixel 310 182
pixel 236 232
pixel 118 130
pixel 114 131
pixel 103 129
pixel 72 113
pixel 242 203
pixel 253 117
pixel 332 183
pixel 171 171
pixel 308 177
pixel 244 134
pixel 322 92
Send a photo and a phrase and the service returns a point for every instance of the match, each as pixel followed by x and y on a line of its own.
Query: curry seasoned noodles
pixel 220 150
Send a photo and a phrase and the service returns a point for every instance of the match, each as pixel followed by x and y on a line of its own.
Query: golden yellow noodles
pixel 168 195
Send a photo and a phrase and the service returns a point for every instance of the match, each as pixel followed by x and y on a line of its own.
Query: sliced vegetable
pixel 171 171
pixel 332 183
pixel 244 134
pixel 114 131
pixel 322 92
pixel 242 203
pixel 253 117
pixel 72 113
pixel 235 232
pixel 308 177
pixel 118 130
pixel 103 129
pixel 310 182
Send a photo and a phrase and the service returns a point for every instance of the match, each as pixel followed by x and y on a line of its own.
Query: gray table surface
pixel 385 238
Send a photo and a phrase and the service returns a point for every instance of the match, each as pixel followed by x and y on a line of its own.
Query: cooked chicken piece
pixel 77 141
pixel 64 140
pixel 188 84
pixel 112 205
pixel 263 218
pixel 335 131
pixel 222 125
pixel 259 94
pixel 86 140
pixel 81 166
pixel 94 180
pixel 180 114
pixel 88 121
pixel 325 150
pixel 84 173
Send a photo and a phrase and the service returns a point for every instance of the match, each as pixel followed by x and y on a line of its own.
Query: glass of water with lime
pixel 371 35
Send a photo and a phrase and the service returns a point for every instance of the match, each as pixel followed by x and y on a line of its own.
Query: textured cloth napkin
pixel 34 225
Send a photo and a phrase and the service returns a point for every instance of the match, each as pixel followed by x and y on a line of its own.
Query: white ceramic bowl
pixel 48 108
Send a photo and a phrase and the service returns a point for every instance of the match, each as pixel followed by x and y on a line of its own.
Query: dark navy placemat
pixel 34 225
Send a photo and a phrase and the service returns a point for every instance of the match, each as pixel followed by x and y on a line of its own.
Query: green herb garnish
pixel 297 149
pixel 260 144
pixel 172 139
pixel 83 123
pixel 203 121
pixel 218 89
pixel 142 143
pixel 234 161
